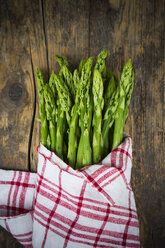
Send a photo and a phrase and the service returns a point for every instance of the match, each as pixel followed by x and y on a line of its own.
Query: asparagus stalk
pixel 52 84
pixel 100 64
pixel 73 131
pixel 82 63
pixel 50 108
pixel 44 124
pixel 128 97
pixel 76 80
pixel 73 136
pixel 126 87
pixel 64 97
pixel 109 91
pixel 48 142
pixel 67 75
pixel 84 153
pixel 64 111
pixel 110 88
pixel 61 60
pixel 109 118
pixel 60 130
pixel 97 119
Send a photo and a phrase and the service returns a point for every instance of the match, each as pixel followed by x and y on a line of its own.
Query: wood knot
pixel 15 92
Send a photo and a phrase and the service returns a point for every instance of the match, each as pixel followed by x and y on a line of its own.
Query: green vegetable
pixel 44 124
pixel 84 153
pixel 126 88
pixel 63 113
pixel 61 60
pixel 97 119
pixel 50 108
pixel 52 84
pixel 109 91
pixel 64 97
pixel 60 130
pixel 74 128
pixel 83 114
pixel 48 142
pixel 109 118
pixel 76 80
pixel 67 75
pixel 100 64
pixel 82 63
pixel 73 136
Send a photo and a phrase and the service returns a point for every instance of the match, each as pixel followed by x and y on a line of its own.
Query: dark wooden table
pixel 32 32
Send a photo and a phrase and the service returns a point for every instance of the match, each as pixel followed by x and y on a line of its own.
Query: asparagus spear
pixel 109 118
pixel 64 111
pixel 84 154
pixel 111 85
pixel 60 130
pixel 61 60
pixel 44 124
pixel 73 136
pixel 97 120
pixel 128 97
pixel 82 62
pixel 67 75
pixel 52 84
pixel 73 131
pixel 48 142
pixel 64 106
pixel 100 64
pixel 50 108
pixel 64 97
pixel 126 87
pixel 76 80
pixel 109 91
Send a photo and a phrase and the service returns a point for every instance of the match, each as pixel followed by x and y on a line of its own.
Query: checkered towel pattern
pixel 61 207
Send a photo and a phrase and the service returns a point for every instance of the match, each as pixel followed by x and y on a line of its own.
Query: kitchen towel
pixel 60 207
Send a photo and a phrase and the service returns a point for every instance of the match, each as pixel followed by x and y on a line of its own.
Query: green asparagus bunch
pixel 83 113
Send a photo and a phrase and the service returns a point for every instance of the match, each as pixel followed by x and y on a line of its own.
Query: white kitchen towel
pixel 61 207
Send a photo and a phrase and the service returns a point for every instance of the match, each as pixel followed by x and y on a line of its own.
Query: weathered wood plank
pixel 16 91
pixel 135 29
pixel 67 28
pixel 38 53
pixel 22 51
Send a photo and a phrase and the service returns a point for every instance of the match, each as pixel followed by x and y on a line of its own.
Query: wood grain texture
pixel 135 29
pixel 67 31
pixel 32 32
pixel 22 52
pixel 38 54
pixel 16 87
